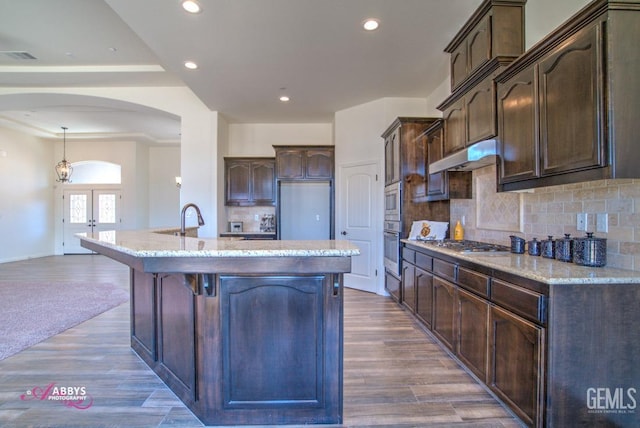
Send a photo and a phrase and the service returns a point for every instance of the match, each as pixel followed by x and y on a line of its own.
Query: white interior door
pixel 358 218
pixel 87 211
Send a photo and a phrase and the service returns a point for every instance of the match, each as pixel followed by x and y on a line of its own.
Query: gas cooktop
pixel 467 246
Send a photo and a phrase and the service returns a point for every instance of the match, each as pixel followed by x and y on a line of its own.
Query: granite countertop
pixel 540 269
pixel 162 243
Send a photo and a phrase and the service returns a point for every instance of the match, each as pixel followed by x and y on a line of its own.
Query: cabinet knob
pixel 344 232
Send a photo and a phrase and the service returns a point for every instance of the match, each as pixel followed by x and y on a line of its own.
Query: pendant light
pixel 64 168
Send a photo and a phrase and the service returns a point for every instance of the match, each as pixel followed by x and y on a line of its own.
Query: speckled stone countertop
pixel 540 269
pixel 162 243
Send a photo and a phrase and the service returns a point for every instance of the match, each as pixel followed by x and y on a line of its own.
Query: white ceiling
pixel 247 51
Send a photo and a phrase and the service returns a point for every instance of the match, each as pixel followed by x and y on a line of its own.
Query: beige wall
pixel 552 211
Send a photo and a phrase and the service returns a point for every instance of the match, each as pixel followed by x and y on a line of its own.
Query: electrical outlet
pixel 256 217
pixel 581 221
pixel 602 222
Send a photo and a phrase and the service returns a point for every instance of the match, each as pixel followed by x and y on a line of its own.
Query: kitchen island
pixel 244 332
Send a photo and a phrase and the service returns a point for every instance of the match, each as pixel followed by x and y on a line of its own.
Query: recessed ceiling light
pixel 191 6
pixel 371 24
pixel 284 98
pixel 190 65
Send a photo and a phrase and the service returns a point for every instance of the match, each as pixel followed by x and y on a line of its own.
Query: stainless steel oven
pixel 392 247
pixel 392 204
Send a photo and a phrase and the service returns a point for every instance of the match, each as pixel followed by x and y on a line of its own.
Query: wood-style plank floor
pixel 395 375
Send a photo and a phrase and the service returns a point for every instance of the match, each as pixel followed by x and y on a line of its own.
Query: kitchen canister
pixel 564 248
pixel 590 251
pixel 533 247
pixel 548 248
pixel 517 244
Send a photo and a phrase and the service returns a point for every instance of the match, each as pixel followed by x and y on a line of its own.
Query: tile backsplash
pixel 247 215
pixel 491 216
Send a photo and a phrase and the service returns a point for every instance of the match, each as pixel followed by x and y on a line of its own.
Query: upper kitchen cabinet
pixel 405 156
pixel 565 108
pixel 470 113
pixel 304 162
pixel 496 29
pixel 249 181
pixel 441 185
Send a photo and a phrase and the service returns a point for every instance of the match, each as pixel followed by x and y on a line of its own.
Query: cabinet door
pixel 392 157
pixel 290 164
pixel 479 44
pixel 480 112
pixel 263 182
pixel 237 182
pixel 176 333
pixel 572 131
pixel 143 315
pixel 516 364
pixel 436 183
pixel 319 164
pixel 409 285
pixel 417 177
pixel 392 285
pixel 424 296
pixel 458 61
pixel 473 326
pixel 454 128
pixel 444 311
pixel 517 141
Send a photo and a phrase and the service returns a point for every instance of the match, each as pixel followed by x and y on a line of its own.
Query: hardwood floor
pixel 395 374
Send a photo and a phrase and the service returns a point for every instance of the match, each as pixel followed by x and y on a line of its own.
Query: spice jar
pixel 590 251
pixel 564 248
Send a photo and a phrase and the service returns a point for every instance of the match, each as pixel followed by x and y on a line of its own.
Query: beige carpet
pixel 31 312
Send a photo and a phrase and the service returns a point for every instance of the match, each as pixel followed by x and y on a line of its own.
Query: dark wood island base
pixel 242 340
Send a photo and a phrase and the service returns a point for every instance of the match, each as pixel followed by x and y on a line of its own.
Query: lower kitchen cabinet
pixel 444 298
pixel 392 285
pixel 473 325
pixel 541 347
pixel 176 340
pixel 424 297
pixel 517 364
pixel 409 285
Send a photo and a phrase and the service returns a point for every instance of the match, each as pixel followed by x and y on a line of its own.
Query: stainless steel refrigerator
pixel 304 210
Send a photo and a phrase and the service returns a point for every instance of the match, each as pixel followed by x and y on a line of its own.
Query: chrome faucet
pixel 183 215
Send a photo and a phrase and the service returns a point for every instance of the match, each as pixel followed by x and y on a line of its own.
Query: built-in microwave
pixel 392 204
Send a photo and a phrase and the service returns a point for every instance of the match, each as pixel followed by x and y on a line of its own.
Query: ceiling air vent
pixel 20 55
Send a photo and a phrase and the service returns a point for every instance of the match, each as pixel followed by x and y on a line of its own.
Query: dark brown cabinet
pixel 409 286
pixel 444 311
pixel 472 338
pixel 143 315
pixel 176 340
pixel 424 296
pixel 249 181
pixel 392 285
pixel 304 162
pixel 442 185
pixel 392 157
pixel 494 327
pixel 563 106
pixel 496 29
pixel 516 359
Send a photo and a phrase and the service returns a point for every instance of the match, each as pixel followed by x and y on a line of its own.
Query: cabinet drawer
pixel 473 281
pixel 424 262
pixel 526 303
pixel 444 269
pixel 409 255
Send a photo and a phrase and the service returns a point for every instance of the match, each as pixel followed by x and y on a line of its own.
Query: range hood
pixel 482 153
